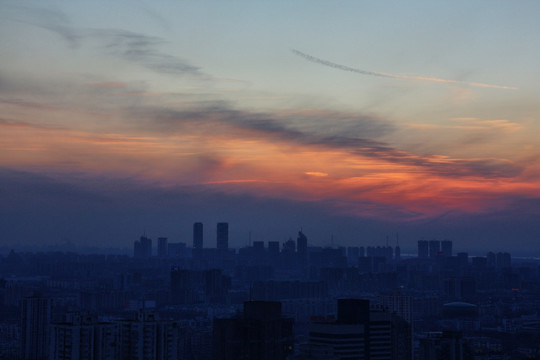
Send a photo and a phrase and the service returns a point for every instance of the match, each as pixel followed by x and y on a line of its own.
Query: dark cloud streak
pixel 216 116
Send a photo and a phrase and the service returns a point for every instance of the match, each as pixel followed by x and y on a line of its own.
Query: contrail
pixel 392 76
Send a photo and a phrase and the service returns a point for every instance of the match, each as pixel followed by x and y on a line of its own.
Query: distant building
pixel 162 247
pixel 360 332
pixel 423 249
pixel 222 237
pixel 301 245
pixel 259 333
pixel 273 248
pixel 434 248
pixel 198 235
pixel 35 320
pixel 142 248
pixel 446 248
pixel 82 337
pixel 147 337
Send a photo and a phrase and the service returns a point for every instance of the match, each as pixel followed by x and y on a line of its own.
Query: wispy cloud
pixel 394 76
pixel 143 50
pixel 221 118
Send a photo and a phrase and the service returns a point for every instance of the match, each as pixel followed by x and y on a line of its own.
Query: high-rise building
pixel 162 247
pixel 260 333
pixel 434 248
pixel 360 332
pixel 222 236
pixel 82 337
pixel 35 320
pixel 301 246
pixel 273 248
pixel 423 249
pixel 446 248
pixel 147 337
pixel 142 248
pixel 198 235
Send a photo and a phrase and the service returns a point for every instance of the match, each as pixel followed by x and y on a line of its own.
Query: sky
pixel 354 121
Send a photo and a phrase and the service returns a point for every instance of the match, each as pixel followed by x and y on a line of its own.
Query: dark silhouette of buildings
pixel 82 337
pixel 434 248
pixel 222 236
pixel 35 320
pixel 162 247
pixel 446 248
pixel 360 332
pixel 259 333
pixel 142 248
pixel 301 246
pixel 423 249
pixel 198 235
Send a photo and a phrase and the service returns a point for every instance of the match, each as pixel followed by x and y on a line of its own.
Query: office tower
pixel 162 247
pixel 142 248
pixel 273 248
pixel 397 254
pixel 223 236
pixel 260 333
pixel 198 235
pixel 35 320
pixel 434 248
pixel 446 248
pixel 147 337
pixel 423 249
pixel 301 246
pixel 83 337
pixel 360 332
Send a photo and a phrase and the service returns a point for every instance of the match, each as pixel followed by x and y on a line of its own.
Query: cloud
pixel 316 173
pixel 143 50
pixel 219 117
pixel 393 76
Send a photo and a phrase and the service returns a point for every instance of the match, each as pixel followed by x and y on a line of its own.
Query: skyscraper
pixel 446 248
pixel 423 249
pixel 162 247
pixel 35 320
pixel 83 337
pixel 434 248
pixel 142 248
pixel 301 246
pixel 360 332
pixel 261 333
pixel 198 235
pixel 223 236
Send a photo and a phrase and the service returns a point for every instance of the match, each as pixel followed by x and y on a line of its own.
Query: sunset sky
pixel 352 120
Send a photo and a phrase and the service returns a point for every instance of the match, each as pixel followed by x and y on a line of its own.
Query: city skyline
pixel 353 122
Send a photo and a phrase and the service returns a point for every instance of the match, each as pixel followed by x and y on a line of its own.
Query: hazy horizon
pixel 354 121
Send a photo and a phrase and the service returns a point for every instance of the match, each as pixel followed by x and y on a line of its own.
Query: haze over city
pixel 352 121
